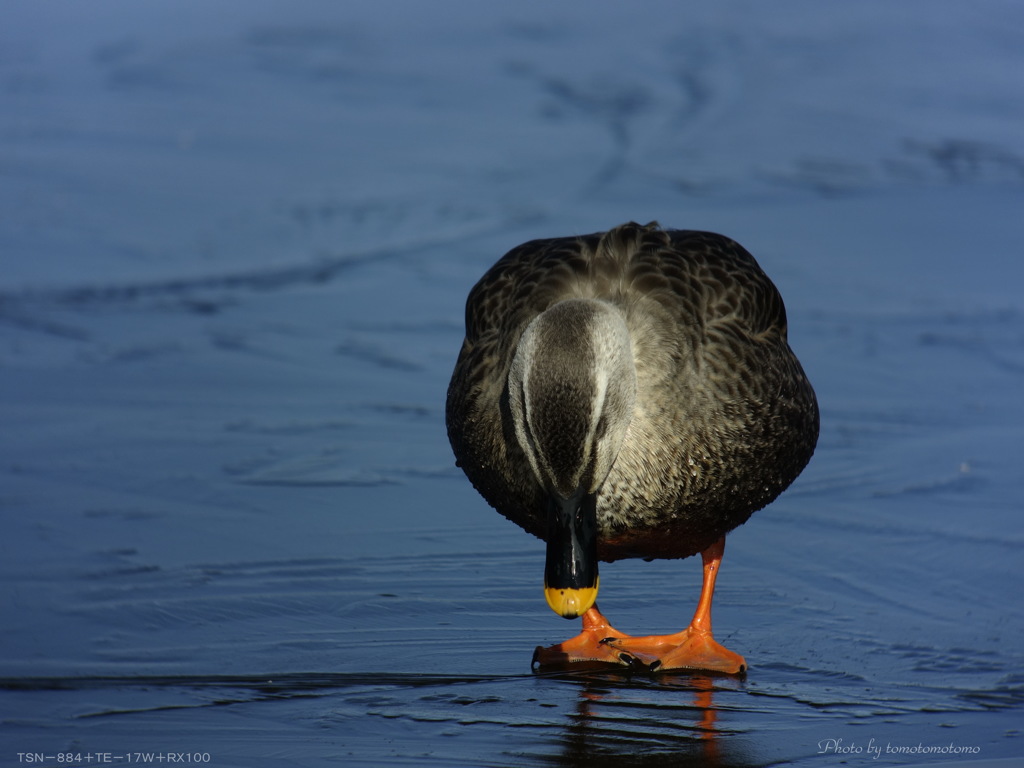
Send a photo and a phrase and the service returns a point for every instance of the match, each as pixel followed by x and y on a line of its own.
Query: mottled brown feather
pixel 725 417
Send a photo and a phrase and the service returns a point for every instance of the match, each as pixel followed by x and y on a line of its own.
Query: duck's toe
pixel 692 649
pixel 596 646
pixel 578 656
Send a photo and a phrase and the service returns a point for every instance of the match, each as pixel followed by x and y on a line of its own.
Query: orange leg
pixel 694 647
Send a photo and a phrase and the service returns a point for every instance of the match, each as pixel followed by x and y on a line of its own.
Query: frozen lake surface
pixel 235 243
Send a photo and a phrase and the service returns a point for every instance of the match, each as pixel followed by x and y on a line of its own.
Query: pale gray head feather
pixel 572 390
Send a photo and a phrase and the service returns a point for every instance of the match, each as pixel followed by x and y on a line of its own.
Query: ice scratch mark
pixel 375 354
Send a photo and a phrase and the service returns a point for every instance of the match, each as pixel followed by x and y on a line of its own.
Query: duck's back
pixel 725 418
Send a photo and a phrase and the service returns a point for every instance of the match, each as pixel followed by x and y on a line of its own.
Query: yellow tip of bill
pixel 570 603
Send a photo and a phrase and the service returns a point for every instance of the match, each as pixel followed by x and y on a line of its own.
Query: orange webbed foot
pixel 595 646
pixel 691 649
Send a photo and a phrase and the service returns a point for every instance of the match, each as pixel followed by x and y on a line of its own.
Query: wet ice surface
pixel 236 240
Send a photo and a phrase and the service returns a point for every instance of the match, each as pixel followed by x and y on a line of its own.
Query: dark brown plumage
pixel 725 416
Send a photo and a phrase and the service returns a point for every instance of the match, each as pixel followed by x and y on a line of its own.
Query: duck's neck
pixel 572 389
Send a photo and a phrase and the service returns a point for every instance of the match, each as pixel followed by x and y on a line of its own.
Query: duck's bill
pixel 570 603
pixel 570 573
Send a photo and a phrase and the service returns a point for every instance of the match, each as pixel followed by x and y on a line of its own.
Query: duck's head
pixel 572 389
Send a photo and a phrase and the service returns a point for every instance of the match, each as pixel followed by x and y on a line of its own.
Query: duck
pixel 629 394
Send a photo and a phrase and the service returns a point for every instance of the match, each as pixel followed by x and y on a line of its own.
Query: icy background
pixel 235 242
